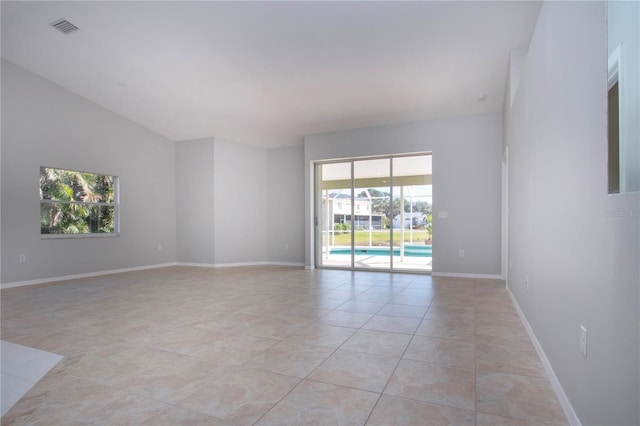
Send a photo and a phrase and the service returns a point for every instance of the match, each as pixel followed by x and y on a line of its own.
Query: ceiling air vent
pixel 64 26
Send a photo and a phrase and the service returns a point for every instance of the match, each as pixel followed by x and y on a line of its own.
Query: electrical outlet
pixel 443 215
pixel 583 341
pixel 461 253
pixel 286 246
pixel 160 248
pixel 22 258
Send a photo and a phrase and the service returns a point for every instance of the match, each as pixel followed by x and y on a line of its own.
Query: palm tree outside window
pixel 74 203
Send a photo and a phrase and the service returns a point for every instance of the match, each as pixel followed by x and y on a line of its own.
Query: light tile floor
pixel 276 345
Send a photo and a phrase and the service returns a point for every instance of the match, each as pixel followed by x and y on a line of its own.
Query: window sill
pixel 76 236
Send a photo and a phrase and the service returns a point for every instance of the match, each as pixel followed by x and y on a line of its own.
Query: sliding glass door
pixel 412 213
pixel 374 213
pixel 372 235
pixel 333 214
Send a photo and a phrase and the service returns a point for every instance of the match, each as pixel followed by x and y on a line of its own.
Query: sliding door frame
pixel 318 214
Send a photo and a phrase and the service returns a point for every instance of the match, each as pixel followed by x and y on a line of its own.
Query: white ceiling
pixel 267 73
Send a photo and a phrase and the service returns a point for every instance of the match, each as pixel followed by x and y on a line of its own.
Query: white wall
pixel 578 246
pixel 195 227
pixel 285 177
pixel 466 183
pixel 205 201
pixel 240 203
pixel 44 124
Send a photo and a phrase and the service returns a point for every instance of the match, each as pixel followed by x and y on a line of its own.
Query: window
pixel 76 203
pixel 614 140
pixel 623 90
pixel 613 117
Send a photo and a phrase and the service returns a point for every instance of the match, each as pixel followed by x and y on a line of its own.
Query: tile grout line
pixel 398 363
pixel 319 365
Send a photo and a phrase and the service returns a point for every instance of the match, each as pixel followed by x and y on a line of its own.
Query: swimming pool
pixel 409 250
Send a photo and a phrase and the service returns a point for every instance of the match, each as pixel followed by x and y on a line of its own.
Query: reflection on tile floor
pixel 22 368
pixel 276 345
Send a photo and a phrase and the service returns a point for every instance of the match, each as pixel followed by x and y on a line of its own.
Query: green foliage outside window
pixel 342 227
pixel 73 202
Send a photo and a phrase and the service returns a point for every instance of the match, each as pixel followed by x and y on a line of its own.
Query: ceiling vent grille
pixel 64 26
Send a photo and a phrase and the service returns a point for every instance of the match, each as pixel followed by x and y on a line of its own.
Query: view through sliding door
pixel 412 213
pixel 333 214
pixel 372 233
pixel 375 213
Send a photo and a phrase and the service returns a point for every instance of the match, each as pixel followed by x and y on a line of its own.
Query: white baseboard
pixel 460 275
pixel 239 264
pixel 199 265
pixel 87 275
pixel 140 268
pixel 572 417
pixel 296 264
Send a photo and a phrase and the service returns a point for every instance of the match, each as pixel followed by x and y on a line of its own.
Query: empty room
pixel 329 213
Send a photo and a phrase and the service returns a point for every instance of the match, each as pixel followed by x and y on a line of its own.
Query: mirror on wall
pixel 623 98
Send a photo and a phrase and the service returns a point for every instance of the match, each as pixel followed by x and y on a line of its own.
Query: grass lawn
pixel 380 238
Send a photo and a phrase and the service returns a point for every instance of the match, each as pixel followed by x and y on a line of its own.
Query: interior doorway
pixel 375 213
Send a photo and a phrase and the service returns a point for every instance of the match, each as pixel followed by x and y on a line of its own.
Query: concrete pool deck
pixel 409 263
